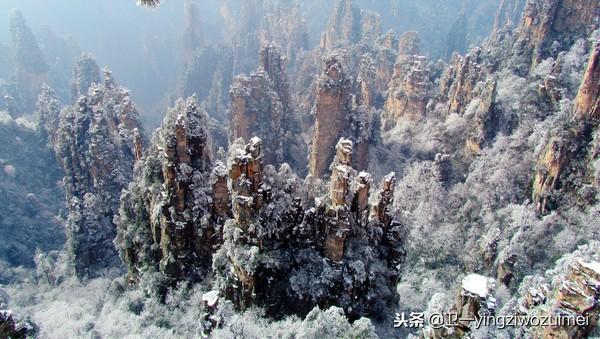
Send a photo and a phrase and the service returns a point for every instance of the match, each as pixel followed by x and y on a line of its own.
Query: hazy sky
pixel 86 19
pixel 143 46
pixel 117 32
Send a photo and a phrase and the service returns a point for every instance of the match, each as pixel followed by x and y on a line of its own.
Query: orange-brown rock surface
pixel 577 296
pixel 544 22
pixel 331 107
pixel 459 79
pixel 408 91
pixel 559 150
pixel 260 106
pixel 342 174
pixel 341 110
pixel 587 102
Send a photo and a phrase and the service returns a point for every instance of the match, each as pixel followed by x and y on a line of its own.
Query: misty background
pixel 144 47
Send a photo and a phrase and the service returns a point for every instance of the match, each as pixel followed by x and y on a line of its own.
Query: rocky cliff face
pixel 367 58
pixel 508 14
pixel 331 107
pixel 48 114
pixel 192 36
pixel 341 110
pixel 260 106
pixel 409 43
pixel 459 79
pixel 567 296
pixel 587 102
pixel 97 142
pixel 484 122
pixel 578 295
pixel 408 91
pixel 252 24
pixel 544 22
pixel 165 221
pixel 566 143
pixel 285 26
pixel 275 245
pixel 246 174
pixel 30 69
pixel 387 52
pixel 208 74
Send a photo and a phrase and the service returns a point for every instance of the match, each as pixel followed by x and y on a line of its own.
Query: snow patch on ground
pixel 477 284
pixel 211 298
pixel 592 265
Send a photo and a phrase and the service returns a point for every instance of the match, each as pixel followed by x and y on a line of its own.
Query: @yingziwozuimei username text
pixel 444 320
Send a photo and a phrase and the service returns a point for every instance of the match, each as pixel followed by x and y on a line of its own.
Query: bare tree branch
pixel 148 3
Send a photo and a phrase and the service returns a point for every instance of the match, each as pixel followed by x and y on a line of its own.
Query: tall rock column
pixel 546 22
pixel 95 143
pixel 587 102
pixel 342 174
pixel 331 109
pixel 169 220
pixel 381 211
pixel 560 150
pixel 246 182
pixel 85 73
pixel 48 114
pixel 408 91
pixel 484 121
pixel 458 82
pixel 260 106
pixel 349 25
pixel 30 70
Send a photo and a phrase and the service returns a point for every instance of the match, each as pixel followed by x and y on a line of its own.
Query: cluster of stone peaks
pixel 165 222
pixel 96 140
pixel 253 227
pixel 283 250
pixel 244 221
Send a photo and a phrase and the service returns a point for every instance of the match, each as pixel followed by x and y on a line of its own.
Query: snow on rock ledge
pixel 477 285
